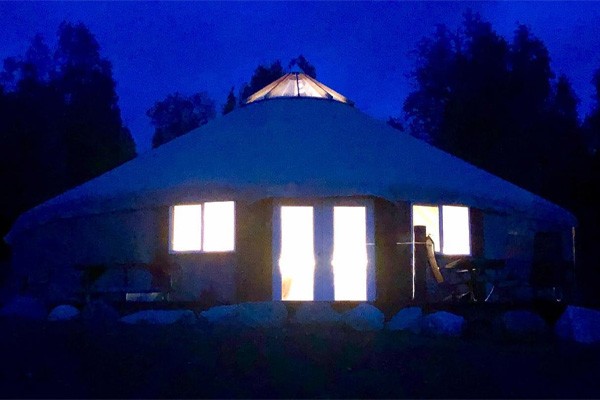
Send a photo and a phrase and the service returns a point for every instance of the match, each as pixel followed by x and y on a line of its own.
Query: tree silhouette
pixel 592 121
pixel 435 75
pixel 262 77
pixel 490 103
pixel 39 58
pixel 178 114
pixel 230 104
pixel 304 65
pixel 60 123
pixel 95 137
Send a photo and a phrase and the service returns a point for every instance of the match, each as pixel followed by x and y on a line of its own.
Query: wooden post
pixel 420 264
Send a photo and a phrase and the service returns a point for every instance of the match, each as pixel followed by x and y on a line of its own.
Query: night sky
pixel 362 50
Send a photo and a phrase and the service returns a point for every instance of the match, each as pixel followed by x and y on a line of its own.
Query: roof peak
pixel 297 84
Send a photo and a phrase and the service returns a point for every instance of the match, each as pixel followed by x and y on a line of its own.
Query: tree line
pixel 60 124
pixel 178 114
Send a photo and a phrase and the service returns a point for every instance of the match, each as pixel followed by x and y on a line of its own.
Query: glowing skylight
pixel 296 85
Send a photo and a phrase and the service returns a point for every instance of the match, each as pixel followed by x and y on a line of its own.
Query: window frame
pixel 202 228
pixel 441 226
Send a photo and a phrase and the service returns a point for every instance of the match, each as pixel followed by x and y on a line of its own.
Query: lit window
pixel 187 235
pixel 208 227
pixel 219 226
pixel 455 238
pixel 455 230
pixel 428 216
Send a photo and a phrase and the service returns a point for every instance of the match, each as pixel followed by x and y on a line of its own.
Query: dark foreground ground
pixel 62 360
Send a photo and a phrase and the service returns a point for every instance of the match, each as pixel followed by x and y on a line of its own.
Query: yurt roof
pixel 293 147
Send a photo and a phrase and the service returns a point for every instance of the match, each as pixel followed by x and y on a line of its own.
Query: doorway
pixel 324 251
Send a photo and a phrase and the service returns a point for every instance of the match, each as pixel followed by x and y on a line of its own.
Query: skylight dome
pixel 297 84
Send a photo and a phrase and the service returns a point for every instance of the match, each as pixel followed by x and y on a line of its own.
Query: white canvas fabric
pixel 292 148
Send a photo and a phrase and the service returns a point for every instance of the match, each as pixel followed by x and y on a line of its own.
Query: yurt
pixel 296 196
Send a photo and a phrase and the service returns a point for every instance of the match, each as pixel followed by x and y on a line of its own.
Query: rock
pixel 98 311
pixel 316 313
pixel 220 314
pixel 63 312
pixel 364 317
pixel 407 319
pixel 267 314
pixel 523 323
pixel 443 323
pixel 579 324
pixel 250 315
pixel 160 317
pixel 24 307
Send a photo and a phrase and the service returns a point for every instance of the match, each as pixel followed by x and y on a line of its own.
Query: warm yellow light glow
pixel 297 259
pixel 292 85
pixel 187 233
pixel 455 227
pixel 219 226
pixel 429 217
pixel 350 253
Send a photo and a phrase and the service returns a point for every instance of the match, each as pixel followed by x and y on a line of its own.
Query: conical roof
pixel 297 84
pixel 300 148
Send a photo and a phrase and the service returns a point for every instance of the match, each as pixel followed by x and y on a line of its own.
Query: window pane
pixel 187 232
pixel 350 253
pixel 297 259
pixel 219 226
pixel 429 217
pixel 456 230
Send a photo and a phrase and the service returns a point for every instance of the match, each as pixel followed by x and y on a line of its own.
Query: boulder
pixel 579 324
pixel 364 317
pixel 63 312
pixel 443 323
pixel 314 313
pixel 250 315
pixel 24 307
pixel 220 315
pixel 407 319
pixel 160 317
pixel 265 314
pixel 523 323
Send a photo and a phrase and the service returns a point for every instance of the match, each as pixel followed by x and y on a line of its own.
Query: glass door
pixel 349 260
pixel 297 260
pixel 324 252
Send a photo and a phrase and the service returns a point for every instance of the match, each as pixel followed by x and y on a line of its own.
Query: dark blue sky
pixel 359 49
